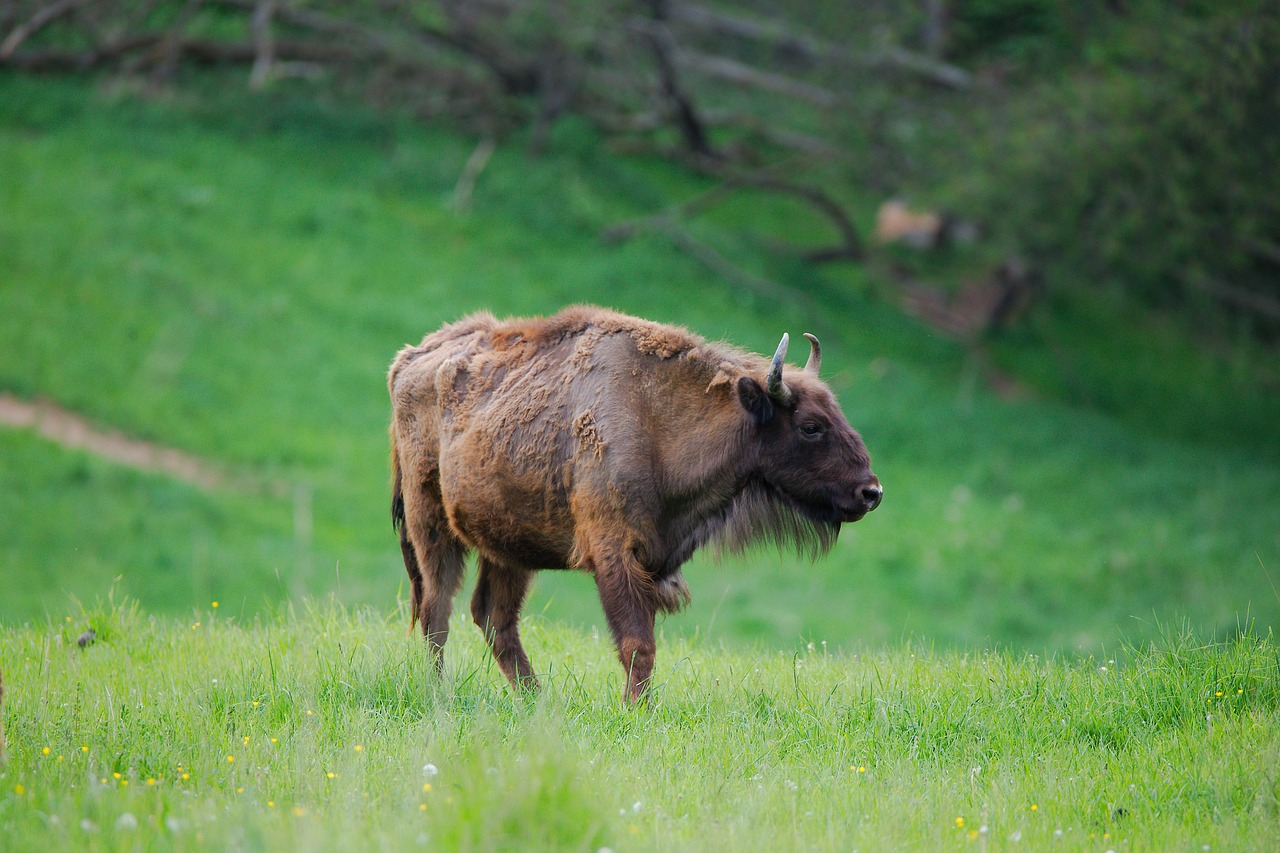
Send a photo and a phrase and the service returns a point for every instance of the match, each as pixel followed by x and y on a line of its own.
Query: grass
pixel 322 726
pixel 231 276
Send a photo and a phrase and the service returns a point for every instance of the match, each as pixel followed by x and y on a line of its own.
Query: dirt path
pixel 68 429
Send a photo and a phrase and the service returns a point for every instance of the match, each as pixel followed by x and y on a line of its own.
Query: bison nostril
pixel 872 494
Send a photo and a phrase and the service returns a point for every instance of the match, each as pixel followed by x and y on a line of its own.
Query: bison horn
pixel 815 355
pixel 774 385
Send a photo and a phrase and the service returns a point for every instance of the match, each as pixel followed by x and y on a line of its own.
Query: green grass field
pixel 230 276
pixel 322 727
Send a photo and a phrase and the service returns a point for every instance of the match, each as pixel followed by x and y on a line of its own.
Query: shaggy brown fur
pixel 606 443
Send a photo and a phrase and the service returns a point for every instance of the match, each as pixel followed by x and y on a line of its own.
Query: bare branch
pixel 470 171
pixel 816 50
pixel 1261 249
pixel 43 17
pixel 171 44
pixel 663 48
pixel 741 74
pixel 850 246
pixel 263 43
pixel 73 60
pixel 717 263
pixel 1232 294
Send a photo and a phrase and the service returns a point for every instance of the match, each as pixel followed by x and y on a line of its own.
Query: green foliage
pixel 1143 169
pixel 1024 33
pixel 322 726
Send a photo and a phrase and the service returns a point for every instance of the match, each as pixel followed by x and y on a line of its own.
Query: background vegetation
pixel 231 277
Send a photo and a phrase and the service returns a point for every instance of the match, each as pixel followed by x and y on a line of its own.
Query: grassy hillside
pixel 320 727
pixel 231 277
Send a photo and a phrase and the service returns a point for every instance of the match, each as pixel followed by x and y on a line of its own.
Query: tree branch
pixel 470 171
pixel 815 50
pixel 663 47
pixel 263 43
pixel 44 16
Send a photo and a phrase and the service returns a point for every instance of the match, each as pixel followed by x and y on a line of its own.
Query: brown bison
pixel 611 444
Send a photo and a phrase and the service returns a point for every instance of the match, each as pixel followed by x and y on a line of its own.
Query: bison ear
pixel 755 400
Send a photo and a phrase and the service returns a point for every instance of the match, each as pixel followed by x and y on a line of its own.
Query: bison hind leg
pixel 434 558
pixel 441 577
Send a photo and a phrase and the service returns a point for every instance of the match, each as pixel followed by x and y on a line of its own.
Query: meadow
pixel 323 727
pixel 984 660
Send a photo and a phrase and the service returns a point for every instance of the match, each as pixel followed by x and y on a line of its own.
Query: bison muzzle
pixel 610 444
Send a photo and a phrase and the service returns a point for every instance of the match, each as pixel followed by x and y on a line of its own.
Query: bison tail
pixel 398 524
pixel 397 489
pixel 397 501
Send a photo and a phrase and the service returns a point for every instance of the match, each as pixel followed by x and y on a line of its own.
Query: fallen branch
pixel 815 50
pixel 717 263
pixel 1239 297
pixel 850 245
pixel 470 171
pixel 42 18
pixel 663 48
pixel 1261 249
pixel 741 74
pixel 171 44
pixel 74 60
pixel 411 39
pixel 263 43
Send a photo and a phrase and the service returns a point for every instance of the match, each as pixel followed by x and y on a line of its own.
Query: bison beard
pixel 606 443
pixel 759 515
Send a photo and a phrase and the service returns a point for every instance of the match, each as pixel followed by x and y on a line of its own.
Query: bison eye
pixel 811 430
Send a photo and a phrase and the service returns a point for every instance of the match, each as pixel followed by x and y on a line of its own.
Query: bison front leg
pixel 495 607
pixel 626 595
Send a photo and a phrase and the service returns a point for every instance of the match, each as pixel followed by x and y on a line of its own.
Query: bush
pixel 1155 171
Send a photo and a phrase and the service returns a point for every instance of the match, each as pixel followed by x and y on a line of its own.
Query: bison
pixel 606 443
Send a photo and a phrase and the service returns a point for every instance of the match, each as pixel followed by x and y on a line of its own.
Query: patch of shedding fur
pixel 650 338
pixel 726 374
pixel 588 434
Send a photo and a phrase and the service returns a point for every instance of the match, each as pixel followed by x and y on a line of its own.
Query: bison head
pixel 809 458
